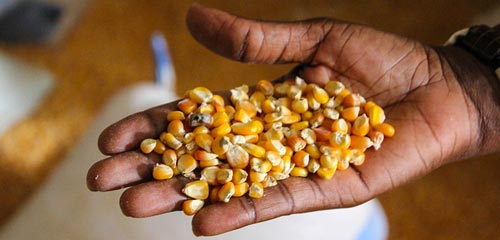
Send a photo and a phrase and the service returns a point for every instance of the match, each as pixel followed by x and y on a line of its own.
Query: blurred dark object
pixel 29 21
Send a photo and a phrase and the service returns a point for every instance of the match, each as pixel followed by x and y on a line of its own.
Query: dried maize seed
pixel 368 105
pixel 204 141
pixel 237 157
pixel 219 118
pixel 176 127
pixel 248 107
pixel 256 190
pixel 264 167
pixel 306 116
pixel 201 130
pixel 256 176
pixel 350 114
pixel 224 175
pixel 220 145
pixel 273 134
pixel 289 151
pixel 209 174
pixel 200 119
pixel 162 172
pixel 191 147
pixel 333 88
pixel 257 98
pixel 192 206
pixel 203 155
pixel 278 175
pixel 313 151
pixel 200 94
pixel 273 157
pixel 159 147
pixel 320 95
pixel 328 161
pixel 340 140
pixel 175 115
pixel 209 163
pixel 240 189
pixel 296 143
pixel 385 128
pixel 237 139
pixel 242 116
pixel 221 130
pixel 171 141
pixel 268 106
pixel 301 158
pixel 253 127
pixel 251 138
pixel 360 142
pixel 330 103
pixel 239 176
pixel 239 94
pixel 148 145
pixel 218 102
pixel 254 150
pixel 281 89
pixel 377 139
pixel 331 113
pixel 342 94
pixel 188 137
pixel 186 163
pixel 312 102
pixel 214 197
pixel 308 135
pixel 361 126
pixel 169 158
pixel 342 165
pixel 294 92
pixel 187 105
pixel 358 157
pixel 299 172
pixel 230 111
pixel 290 119
pixel 196 189
pixel 275 145
pixel 205 108
pixel 317 119
pixel 376 115
pixel 330 150
pixel 352 100
pixel 322 134
pixel 265 87
pixel 269 181
pixel 288 132
pixel 340 125
pixel 300 105
pixel 326 173
pixel 313 166
pixel 273 117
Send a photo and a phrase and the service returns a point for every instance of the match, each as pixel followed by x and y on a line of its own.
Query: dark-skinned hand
pixel 435 119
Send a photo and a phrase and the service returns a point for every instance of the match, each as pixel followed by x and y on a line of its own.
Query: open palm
pixel 434 120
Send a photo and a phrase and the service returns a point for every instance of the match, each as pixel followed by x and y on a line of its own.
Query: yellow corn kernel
pixel 221 130
pixel 209 163
pixel 320 95
pixel 248 107
pixel 237 157
pixel 317 119
pixel 176 127
pixel 220 145
pixel 299 172
pixel 313 151
pixel 170 140
pixel 368 105
pixel 300 105
pixel 273 117
pixel 204 141
pixel 257 98
pixel 331 113
pixel 296 143
pixel 253 127
pixel 206 108
pixel 300 125
pixel 239 94
pixel 352 100
pixel 326 173
pixel 361 126
pixel 201 130
pixel 169 158
pixel 218 102
pixel 333 88
pixel 214 197
pixel 275 145
pixel 240 189
pixel 361 143
pixel 340 140
pixel 281 89
pixel 340 125
pixel 196 189
pixel 260 165
pixel 350 114
pixel 187 163
pixel 187 105
pixel 342 165
pixel 224 175
pixel 277 176
pixel 148 145
pixel 188 137
pixel 294 92
pixel 162 172
pixel 200 94
pixel 289 151
pixel 256 190
pixel 269 181
pixel 312 102
pixel 273 157
pixel 252 138
pixel 313 166
pixel 242 116
pixel 328 161
pixel 322 134
pixel 266 87
pixel 358 157
pixel 203 155
pixel 175 115
pixel 219 118
pixel 385 128
pixel 192 206
pixel 256 176
pixel 287 164
pixel 226 192
pixel 301 158
pixel 230 111
pixel 290 119
pixel 159 147
pixel 268 106
pixel 376 115
pixel 273 134
pixel 306 116
pixel 209 174
pixel 254 150
pixel 239 176
pixel 308 135
pixel 377 139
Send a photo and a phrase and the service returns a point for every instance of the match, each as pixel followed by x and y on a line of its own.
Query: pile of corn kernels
pixel 288 129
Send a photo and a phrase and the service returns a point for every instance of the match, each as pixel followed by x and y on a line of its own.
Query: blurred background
pixel 92 49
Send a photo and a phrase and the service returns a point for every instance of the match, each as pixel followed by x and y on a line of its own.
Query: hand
pixel 435 120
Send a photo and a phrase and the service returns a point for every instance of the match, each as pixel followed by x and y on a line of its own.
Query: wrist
pixel 482 87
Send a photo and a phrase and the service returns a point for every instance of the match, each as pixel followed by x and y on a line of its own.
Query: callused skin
pixel 441 102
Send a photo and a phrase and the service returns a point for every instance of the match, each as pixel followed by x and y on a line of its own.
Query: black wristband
pixel 484 43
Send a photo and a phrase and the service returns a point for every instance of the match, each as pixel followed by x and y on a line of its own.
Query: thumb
pixel 257 41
